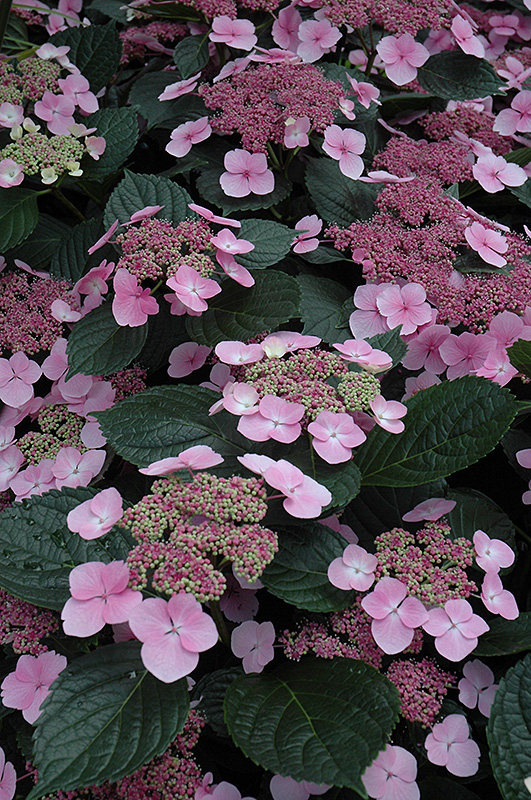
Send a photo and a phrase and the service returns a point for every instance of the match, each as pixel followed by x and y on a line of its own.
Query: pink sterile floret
pixel 288 789
pixel 17 376
pixel 432 510
pixel 226 241
pixel 317 37
pixel 465 354
pixel 334 436
pixel 477 688
pixel 489 244
pixel 285 28
pixel 305 498
pixel 26 687
pixel 240 398
pixel 494 173
pixel 211 217
pixel 423 351
pixel 11 459
pixel 492 554
pixel 354 570
pixel 191 289
pixel 201 456
pixel 256 463
pixel 237 33
pixel 179 88
pixel 402 56
pixel 448 745
pixel 143 213
pixel 234 270
pixel 456 629
pixel 217 791
pixel 395 616
pixel 132 304
pixel 77 88
pixel 275 418
pixel 100 595
pixel 465 37
pixel 238 353
pixel 497 599
pixel 96 516
pixel 11 173
pixel 186 135
pixel 8 778
pixel 404 306
pixel 186 358
pixel 57 111
pixel 517 117
pixel 365 93
pixel 296 134
pixel 391 776
pixel 253 642
pixel 73 469
pixel 246 173
pixel 387 413
pixel 173 633
pixel 345 146
pixel 310 227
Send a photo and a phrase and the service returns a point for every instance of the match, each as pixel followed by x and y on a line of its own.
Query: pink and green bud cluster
pixel 422 686
pixel 36 151
pixel 127 382
pixel 23 626
pixel 357 389
pixel 33 77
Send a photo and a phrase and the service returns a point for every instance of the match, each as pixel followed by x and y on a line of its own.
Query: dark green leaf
pixel 342 480
pixel 520 356
pixel 210 691
pixel 321 304
pixel 162 421
pixel 453 75
pixel 391 343
pixel 137 191
pixel 320 721
pixel 40 247
pixel 105 717
pixel 191 55
pixel 238 313
pixel 111 8
pixel 448 427
pixel 165 331
pixel 509 732
pixel 506 637
pixel 475 511
pixel 71 259
pixel 209 186
pixel 18 216
pixel 324 255
pixel 299 572
pixel 97 345
pixel 37 551
pixel 271 242
pixel 95 50
pixel 523 193
pixel 119 127
pixel 338 199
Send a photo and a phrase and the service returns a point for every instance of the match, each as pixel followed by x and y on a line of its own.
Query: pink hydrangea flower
pixel 173 634
pixel 334 436
pixel 498 368
pixel 238 353
pixel 131 305
pixel 388 413
pixel 143 213
pixel 317 37
pixel 282 788
pixel 11 173
pixel 73 469
pixel 367 320
pixel 240 399
pixel 95 146
pixel 296 133
pixel 107 236
pixel 464 354
pixel 96 516
pixel 57 111
pixel 285 28
pixel 179 88
pixel 489 244
pixel 237 33
pixel 253 642
pixel 201 456
pixel 432 510
pixel 492 554
pixel 185 135
pixel 191 289
pixel 275 418
pixel 305 497
pixel 394 615
pixel 391 776
pixel 517 117
pixel 256 463
pixel 402 56
pixel 11 115
pixel 36 479
pixel 17 376
pixel 423 351
pixel 494 173
pixel 100 595
pixel 456 629
pixel 405 306
pixel 217 791
pixel 345 146
pixel 496 599
pixel 448 745
pixel 234 270
pixel 27 687
pixel 310 227
pixel 246 173
pixel 62 312
pixel 211 217
pixel 366 93
pixel 11 459
pixel 186 358
pixel 353 570
pixel 238 604
pixel 227 242
pixel 465 37
pixel 77 88
pixel 8 778
pixel 477 688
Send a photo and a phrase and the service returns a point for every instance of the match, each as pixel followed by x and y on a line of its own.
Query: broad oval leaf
pixel 210 692
pixel 72 260
pixel 191 54
pixel 475 511
pixel 321 303
pixel 137 191
pixel 95 50
pixel 506 636
pixel 119 127
pixel 299 572
pixel 520 356
pixel 240 313
pixel 271 242
pixel 41 245
pixel 18 216
pixel 448 427
pixel 37 551
pixel 316 720
pixel 97 345
pixel 105 717
pixel 453 75
pixel 338 199
pixel 509 732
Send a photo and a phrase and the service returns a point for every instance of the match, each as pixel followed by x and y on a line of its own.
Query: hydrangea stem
pixel 217 616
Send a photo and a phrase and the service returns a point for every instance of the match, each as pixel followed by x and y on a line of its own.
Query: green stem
pixel 5 8
pixel 157 286
pixel 273 157
pixel 217 616
pixel 522 534
pixel 276 214
pixel 66 202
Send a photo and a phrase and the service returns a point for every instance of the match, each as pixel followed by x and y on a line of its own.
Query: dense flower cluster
pixel 23 626
pixel 422 685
